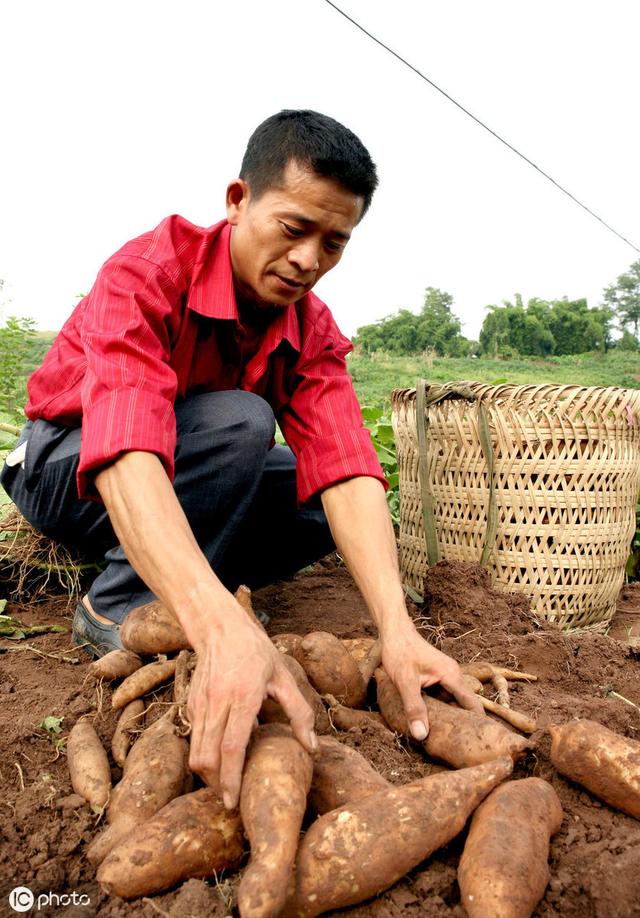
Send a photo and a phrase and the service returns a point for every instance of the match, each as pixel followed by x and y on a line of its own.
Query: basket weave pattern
pixel 566 478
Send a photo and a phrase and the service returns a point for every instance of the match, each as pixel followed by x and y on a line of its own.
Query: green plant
pixel 633 563
pixel 17 337
pixel 15 630
pixel 52 727
pixel 381 431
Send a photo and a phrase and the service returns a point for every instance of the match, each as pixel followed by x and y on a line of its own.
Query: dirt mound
pixel 44 828
pixel 458 596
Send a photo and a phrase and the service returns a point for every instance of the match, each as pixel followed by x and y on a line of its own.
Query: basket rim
pixel 530 392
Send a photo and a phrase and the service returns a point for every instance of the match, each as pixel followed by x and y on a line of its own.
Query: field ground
pixel 594 858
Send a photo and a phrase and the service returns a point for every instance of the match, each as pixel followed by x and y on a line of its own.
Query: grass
pixel 374 377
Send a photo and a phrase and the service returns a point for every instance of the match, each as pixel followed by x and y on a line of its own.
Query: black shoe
pixel 94 637
pixel 263 618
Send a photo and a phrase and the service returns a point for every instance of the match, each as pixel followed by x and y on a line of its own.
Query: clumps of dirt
pixel 626 624
pixel 45 829
pixel 457 596
pixel 586 675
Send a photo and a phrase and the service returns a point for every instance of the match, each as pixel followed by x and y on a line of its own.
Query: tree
pixel 495 334
pixel 576 328
pixel 435 327
pixel 624 298
pixel 541 328
pixel 438 327
pixel 628 342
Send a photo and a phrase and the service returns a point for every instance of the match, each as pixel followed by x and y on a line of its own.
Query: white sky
pixel 116 114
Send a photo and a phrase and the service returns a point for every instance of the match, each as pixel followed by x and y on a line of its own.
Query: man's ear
pixel 237 200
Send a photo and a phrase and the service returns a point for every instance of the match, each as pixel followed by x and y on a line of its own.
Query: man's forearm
pixel 362 530
pixel 158 542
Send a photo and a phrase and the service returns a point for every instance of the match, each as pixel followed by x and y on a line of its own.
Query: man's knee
pixel 240 416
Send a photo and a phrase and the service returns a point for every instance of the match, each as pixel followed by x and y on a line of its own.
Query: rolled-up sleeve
pixel 129 389
pixel 322 423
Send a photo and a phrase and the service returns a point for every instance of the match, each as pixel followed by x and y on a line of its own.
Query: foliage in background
pixel 435 327
pixel 17 337
pixel 381 431
pixel 538 328
pixel 541 328
pixel 624 298
pixel 374 377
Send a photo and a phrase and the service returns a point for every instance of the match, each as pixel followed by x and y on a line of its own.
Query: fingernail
pixel 226 799
pixel 313 742
pixel 418 730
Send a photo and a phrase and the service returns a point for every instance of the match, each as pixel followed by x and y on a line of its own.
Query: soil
pixel 594 858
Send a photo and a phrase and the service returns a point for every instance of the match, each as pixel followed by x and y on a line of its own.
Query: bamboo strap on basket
pixel 426 397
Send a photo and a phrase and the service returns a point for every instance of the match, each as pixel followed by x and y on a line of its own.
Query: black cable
pixel 482 124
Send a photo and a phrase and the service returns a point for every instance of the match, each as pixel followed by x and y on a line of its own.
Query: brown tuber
pixel 341 775
pixel 192 836
pixel 286 642
pixel 142 681
pixel 129 720
pixel 331 668
pixel 152 629
pixel 273 800
pixel 361 849
pixel 88 765
pixel 457 737
pixel 503 870
pixel 155 772
pixel 117 664
pixel 604 762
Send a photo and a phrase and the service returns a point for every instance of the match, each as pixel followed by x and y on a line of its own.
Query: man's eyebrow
pixel 307 222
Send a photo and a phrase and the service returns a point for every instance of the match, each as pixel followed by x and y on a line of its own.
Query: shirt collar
pixel 212 291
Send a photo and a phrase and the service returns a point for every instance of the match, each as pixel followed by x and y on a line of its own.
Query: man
pixel 151 422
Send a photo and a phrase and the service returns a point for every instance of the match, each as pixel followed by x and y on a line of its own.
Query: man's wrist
pixel 395 625
pixel 204 610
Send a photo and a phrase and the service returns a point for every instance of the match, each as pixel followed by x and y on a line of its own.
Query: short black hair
pixel 312 140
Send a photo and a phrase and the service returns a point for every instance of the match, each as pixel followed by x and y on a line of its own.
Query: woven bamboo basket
pixel 538 482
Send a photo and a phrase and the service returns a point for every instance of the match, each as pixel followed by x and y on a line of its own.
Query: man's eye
pixel 334 247
pixel 292 230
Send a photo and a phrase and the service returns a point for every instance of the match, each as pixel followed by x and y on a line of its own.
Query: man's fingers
pixel 233 750
pixel 415 708
pixel 302 719
pixel 206 735
pixel 465 698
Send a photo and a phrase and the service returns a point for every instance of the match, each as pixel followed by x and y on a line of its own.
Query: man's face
pixel 284 241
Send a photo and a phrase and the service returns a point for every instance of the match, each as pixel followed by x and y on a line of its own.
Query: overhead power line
pixel 486 127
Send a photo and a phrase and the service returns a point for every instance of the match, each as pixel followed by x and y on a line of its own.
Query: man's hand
pixel 236 670
pixel 413 664
pixel 362 529
pixel 238 666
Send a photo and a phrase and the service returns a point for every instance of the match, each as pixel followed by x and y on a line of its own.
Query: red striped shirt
pixel 160 323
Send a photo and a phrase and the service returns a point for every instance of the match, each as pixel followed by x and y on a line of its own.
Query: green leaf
pixel 394 480
pixel 385 434
pixel 413 594
pixel 51 724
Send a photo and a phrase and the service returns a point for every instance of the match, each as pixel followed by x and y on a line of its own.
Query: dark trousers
pixel 238 495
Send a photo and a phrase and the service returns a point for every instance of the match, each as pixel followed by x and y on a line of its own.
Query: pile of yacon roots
pixel 365 833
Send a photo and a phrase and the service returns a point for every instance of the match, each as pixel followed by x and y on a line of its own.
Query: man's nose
pixel 305 256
